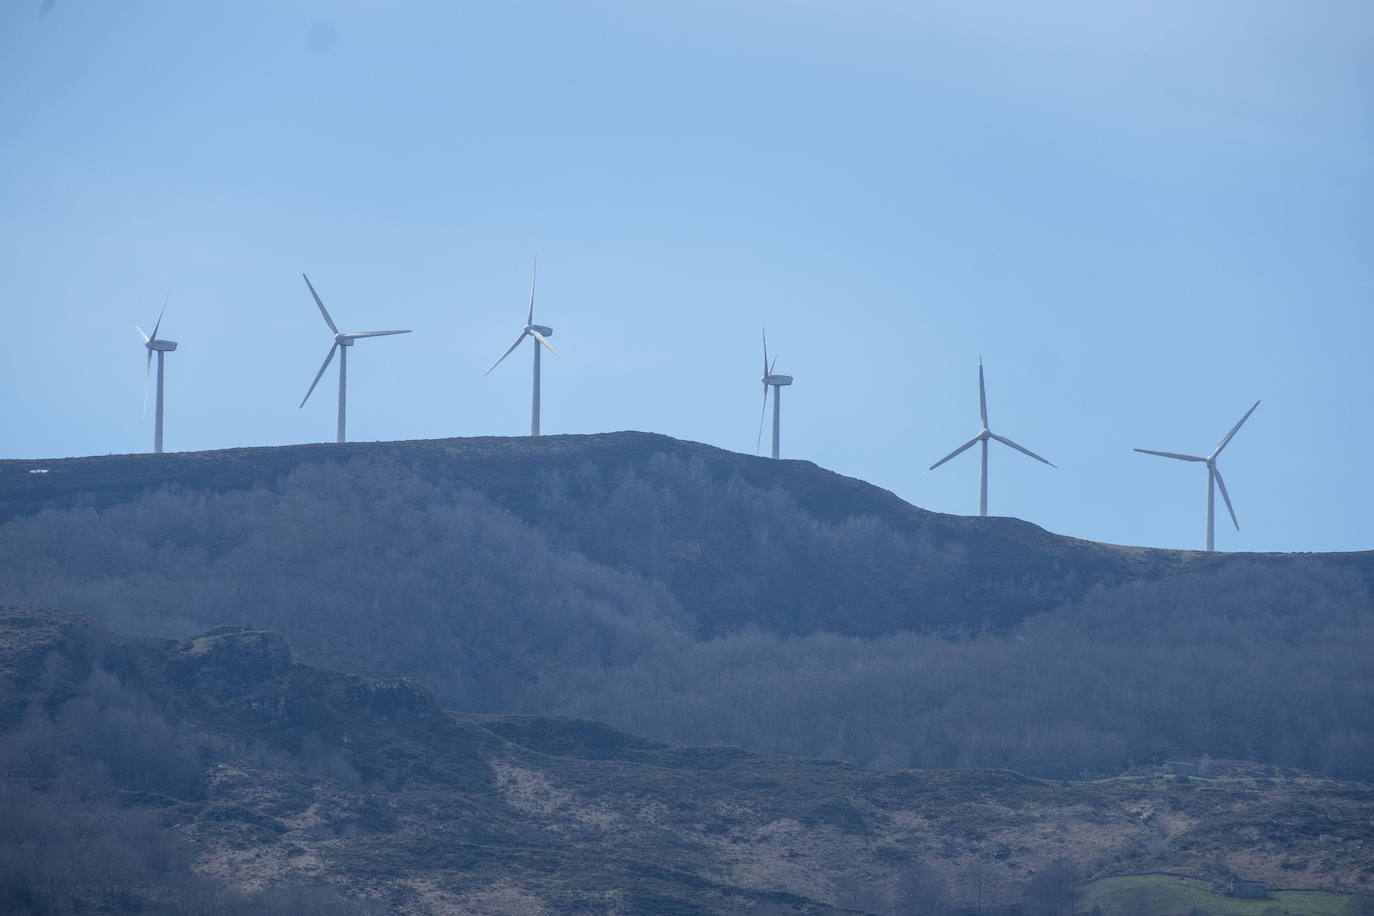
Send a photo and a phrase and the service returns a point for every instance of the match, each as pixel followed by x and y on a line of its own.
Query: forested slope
pixel 739 540
pixel 702 596
pixel 216 775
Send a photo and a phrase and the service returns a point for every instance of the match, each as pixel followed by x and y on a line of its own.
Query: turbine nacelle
pixel 153 344
pixel 341 339
pixel 1213 475
pixel 769 378
pixel 777 382
pixel 539 334
pixel 983 436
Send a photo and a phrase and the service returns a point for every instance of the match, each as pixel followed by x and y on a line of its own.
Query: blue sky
pixel 1143 216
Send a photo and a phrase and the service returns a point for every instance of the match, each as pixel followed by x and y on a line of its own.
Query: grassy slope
pixel 1171 894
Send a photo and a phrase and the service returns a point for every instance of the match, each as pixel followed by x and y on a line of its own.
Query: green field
pixel 1163 895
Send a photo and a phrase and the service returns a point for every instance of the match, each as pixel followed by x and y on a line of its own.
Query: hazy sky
pixel 1143 215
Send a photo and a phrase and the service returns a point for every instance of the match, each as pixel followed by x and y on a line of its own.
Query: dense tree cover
pixel 739 554
pixel 375 568
pixel 1241 663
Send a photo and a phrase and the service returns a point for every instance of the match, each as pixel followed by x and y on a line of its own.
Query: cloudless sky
pixel 1142 215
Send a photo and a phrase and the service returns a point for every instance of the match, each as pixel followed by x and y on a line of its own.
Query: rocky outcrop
pixel 237 664
pixel 397 697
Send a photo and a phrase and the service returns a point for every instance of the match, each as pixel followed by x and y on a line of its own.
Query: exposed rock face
pixel 249 669
pixel 238 666
pixel 395 697
pixel 233 662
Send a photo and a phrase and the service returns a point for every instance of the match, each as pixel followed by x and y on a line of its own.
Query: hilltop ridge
pixel 505 469
pixel 496 464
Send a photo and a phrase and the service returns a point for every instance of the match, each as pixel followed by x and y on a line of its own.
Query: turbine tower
pixel 983 436
pixel 160 347
pixel 1213 476
pixel 541 334
pixel 776 382
pixel 341 344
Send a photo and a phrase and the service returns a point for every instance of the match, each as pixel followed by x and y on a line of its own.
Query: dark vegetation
pixel 215 775
pixel 702 597
pixel 94 778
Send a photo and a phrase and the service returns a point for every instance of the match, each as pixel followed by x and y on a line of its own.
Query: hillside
pixel 250 778
pixel 700 596
pixel 1000 569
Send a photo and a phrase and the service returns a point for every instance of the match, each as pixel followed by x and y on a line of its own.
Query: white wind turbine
pixel 777 383
pixel 983 436
pixel 341 344
pixel 1213 476
pixel 540 333
pixel 160 347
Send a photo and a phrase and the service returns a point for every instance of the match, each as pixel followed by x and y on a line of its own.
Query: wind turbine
pixel 154 345
pixel 777 382
pixel 983 436
pixel 541 334
pixel 341 344
pixel 1213 476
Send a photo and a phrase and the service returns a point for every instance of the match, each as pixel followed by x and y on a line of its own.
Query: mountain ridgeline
pixel 701 596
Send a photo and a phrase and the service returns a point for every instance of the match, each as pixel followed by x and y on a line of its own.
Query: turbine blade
pixel 533 279
pixel 1234 430
pixel 141 333
pixel 508 351
pixel 765 358
pixel 359 334
pixel 1146 451
pixel 323 311
pixel 1225 496
pixel 775 364
pixel 545 341
pixel 967 445
pixel 763 412
pixel 161 313
pixel 1022 449
pixel 327 360
pixel 982 395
